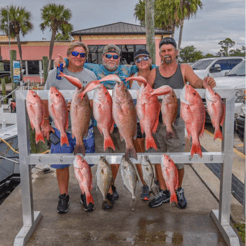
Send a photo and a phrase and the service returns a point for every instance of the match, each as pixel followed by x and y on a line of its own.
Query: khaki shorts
pixel 170 145
pixel 120 146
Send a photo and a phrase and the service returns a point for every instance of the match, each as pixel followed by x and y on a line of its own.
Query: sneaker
pixel 88 208
pixel 115 193
pixel 63 204
pixel 162 197
pixel 181 198
pixel 145 193
pixel 109 203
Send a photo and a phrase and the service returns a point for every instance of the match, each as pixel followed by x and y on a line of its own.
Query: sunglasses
pixel 108 56
pixel 145 58
pixel 168 41
pixel 75 53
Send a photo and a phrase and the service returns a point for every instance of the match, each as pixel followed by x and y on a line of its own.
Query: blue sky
pixel 219 19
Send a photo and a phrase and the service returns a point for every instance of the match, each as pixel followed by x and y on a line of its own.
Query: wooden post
pixel 12 58
pixel 45 67
pixel 150 28
pixel 3 83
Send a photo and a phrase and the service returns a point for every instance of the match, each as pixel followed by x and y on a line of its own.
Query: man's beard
pixel 166 61
pixel 110 67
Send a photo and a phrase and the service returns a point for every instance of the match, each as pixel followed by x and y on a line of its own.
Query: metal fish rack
pixel 220 216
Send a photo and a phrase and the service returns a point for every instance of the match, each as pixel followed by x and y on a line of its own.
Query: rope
pixel 45 152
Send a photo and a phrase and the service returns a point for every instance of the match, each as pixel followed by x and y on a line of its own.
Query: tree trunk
pixel 3 83
pixel 52 41
pixel 12 58
pixel 45 67
pixel 173 29
pixel 150 28
pixel 20 53
pixel 180 33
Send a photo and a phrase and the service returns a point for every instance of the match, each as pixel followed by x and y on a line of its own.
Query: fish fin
pixel 79 149
pixel 173 198
pixel 82 94
pixel 150 143
pixel 100 130
pixel 112 128
pixel 39 137
pixel 64 139
pixel 196 149
pixel 223 117
pixel 89 199
pixel 218 134
pixel 131 153
pixel 66 127
pixel 108 143
pixel 155 125
pixel 203 126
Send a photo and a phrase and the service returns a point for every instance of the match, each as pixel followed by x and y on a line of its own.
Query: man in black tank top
pixel 174 75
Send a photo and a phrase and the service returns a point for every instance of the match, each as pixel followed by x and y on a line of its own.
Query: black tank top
pixel 175 81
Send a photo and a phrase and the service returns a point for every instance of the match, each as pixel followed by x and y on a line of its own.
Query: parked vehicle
pixel 235 79
pixel 216 66
pixel 240 122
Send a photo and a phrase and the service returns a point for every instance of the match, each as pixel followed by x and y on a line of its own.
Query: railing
pixel 221 216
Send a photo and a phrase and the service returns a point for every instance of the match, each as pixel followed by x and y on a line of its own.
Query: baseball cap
pixel 111 48
pixel 168 40
pixel 141 52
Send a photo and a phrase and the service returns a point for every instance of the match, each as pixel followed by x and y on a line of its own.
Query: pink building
pixel 128 37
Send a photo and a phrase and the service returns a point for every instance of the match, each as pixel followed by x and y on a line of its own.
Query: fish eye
pixel 106 93
pixel 194 93
pixel 125 90
pixel 57 94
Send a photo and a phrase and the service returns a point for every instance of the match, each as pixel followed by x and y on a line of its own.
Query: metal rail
pixel 221 216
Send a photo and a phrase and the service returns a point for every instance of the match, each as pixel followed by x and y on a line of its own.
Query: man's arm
pixel 193 79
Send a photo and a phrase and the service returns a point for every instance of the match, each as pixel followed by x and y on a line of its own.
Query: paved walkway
pixel 123 225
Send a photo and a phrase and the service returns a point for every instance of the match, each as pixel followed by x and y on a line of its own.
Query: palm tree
pixel 169 13
pixel 188 8
pixel 56 18
pixel 19 22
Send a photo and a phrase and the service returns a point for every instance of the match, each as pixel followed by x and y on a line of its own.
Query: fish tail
pixel 150 143
pixel 108 143
pixel 218 134
pixel 89 199
pixel 79 148
pixel 131 153
pixel 196 149
pixel 173 198
pixel 64 139
pixel 39 137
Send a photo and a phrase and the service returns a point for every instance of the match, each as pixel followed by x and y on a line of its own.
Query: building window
pixel 127 53
pixel 33 67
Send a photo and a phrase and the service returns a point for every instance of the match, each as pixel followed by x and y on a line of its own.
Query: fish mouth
pixel 182 96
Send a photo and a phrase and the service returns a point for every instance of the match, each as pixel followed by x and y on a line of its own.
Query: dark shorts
pixel 120 146
pixel 88 141
pixel 170 145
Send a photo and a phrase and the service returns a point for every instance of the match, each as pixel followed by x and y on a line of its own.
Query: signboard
pixel 16 68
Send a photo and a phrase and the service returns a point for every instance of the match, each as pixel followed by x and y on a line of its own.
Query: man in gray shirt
pixel 76 53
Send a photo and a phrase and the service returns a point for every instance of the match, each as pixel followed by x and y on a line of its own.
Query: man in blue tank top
pixel 175 75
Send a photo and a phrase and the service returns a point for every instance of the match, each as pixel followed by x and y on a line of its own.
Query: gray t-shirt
pixel 85 76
